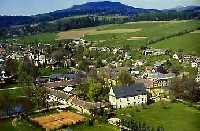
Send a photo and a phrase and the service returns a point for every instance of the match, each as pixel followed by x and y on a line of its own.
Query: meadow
pixel 170 116
pixel 189 43
pixel 133 34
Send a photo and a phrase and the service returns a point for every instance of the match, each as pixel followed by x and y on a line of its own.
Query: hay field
pixel 76 34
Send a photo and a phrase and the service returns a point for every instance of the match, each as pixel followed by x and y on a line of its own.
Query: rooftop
pixel 130 90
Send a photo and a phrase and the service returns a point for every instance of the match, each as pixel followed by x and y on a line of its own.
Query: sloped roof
pixel 130 90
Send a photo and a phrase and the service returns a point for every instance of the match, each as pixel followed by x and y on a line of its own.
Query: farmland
pixel 189 43
pixel 171 116
pixel 135 34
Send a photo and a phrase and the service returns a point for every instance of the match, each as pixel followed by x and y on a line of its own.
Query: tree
pixel 11 66
pixel 38 96
pixel 26 72
pixel 185 88
pixel 125 78
pixel 94 89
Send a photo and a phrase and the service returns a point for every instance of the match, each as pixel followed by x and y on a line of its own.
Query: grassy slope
pixel 177 117
pixel 103 127
pixel 152 30
pixel 42 37
pixel 189 43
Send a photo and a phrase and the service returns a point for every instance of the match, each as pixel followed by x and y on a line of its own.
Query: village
pixel 79 76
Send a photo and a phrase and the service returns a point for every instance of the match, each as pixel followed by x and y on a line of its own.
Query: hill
pixel 188 43
pixel 104 8
pixel 134 34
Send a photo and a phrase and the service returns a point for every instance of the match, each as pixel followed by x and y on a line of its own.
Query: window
pixel 127 99
pixel 142 99
pixel 120 106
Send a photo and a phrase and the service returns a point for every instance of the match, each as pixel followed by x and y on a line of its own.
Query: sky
pixel 32 7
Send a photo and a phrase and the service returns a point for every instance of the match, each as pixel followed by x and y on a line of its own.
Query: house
pixel 84 106
pixel 114 121
pixel 139 63
pixel 197 77
pixel 148 52
pixel 159 52
pixel 176 56
pixel 195 64
pixel 128 95
pixel 157 82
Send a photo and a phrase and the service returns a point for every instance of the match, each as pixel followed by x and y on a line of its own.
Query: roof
pixel 64 76
pixel 158 75
pixel 130 90
pixel 85 104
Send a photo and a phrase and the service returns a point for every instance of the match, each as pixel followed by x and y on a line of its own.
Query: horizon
pixel 35 7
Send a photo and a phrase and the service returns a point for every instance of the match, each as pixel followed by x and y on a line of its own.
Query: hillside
pixel 189 43
pixel 135 34
pixel 104 8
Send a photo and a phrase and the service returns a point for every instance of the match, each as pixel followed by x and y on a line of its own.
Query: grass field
pixel 75 34
pixel 189 43
pixel 42 37
pixel 20 125
pixel 101 127
pixel 171 116
pixel 134 34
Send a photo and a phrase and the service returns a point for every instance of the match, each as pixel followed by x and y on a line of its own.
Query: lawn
pixel 189 43
pixel 46 38
pixel 19 125
pixel 99 127
pixel 49 71
pixel 24 125
pixel 19 91
pixel 171 116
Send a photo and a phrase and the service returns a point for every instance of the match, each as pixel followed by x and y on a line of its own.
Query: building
pixel 129 95
pixel 197 77
pixel 195 64
pixel 84 107
pixel 176 56
pixel 157 82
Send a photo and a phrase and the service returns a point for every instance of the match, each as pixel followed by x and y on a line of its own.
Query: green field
pixel 171 116
pixel 99 127
pixel 189 43
pixel 46 38
pixel 148 31
pixel 135 34
pixel 24 125
pixel 20 125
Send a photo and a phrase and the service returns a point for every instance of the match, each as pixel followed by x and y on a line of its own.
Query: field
pixel 42 37
pixel 76 34
pixel 171 116
pixel 100 127
pixel 135 34
pixel 189 43
pixel 21 125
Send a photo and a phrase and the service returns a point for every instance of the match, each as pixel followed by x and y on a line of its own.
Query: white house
pixel 198 78
pixel 194 64
pixel 129 95
pixel 175 56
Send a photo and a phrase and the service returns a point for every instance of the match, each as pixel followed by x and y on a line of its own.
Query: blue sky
pixel 31 7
